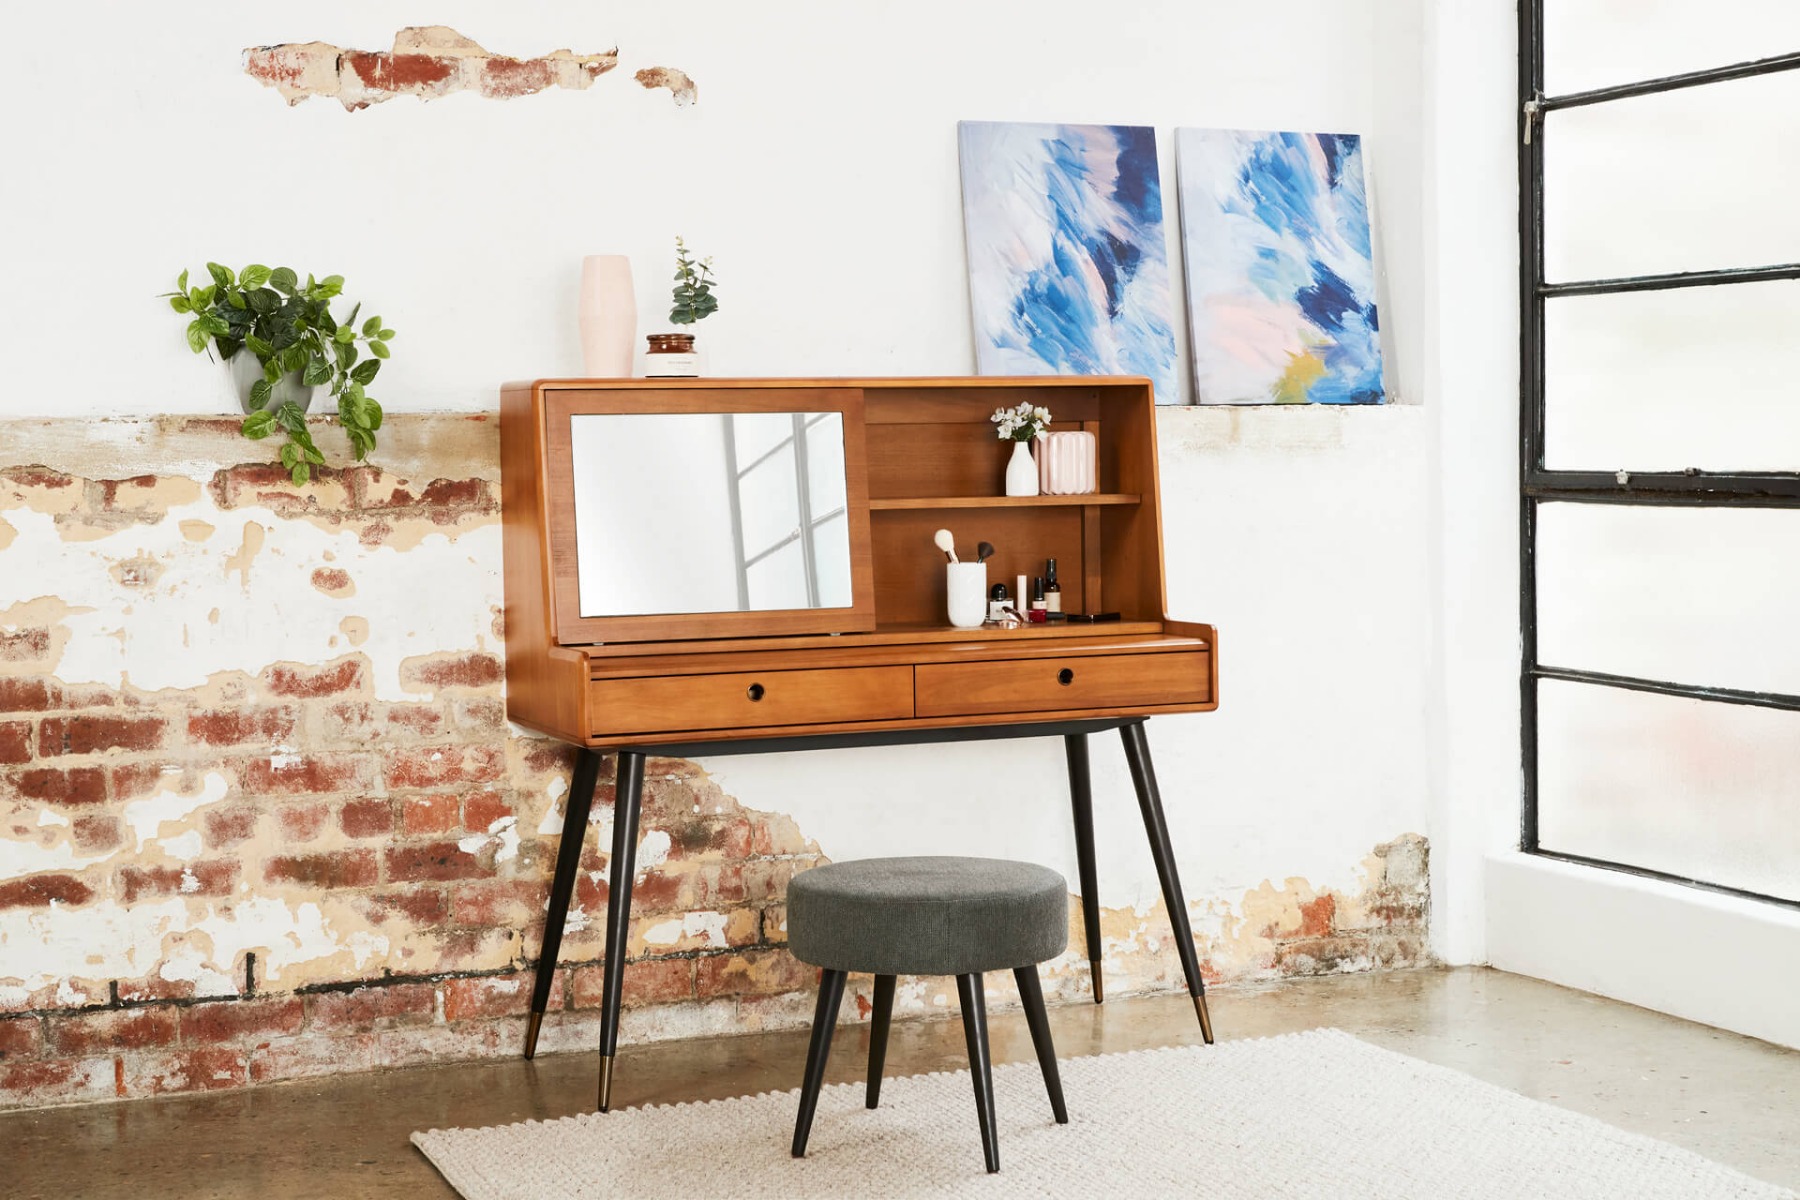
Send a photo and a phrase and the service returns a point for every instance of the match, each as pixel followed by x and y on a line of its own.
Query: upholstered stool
pixel 928 916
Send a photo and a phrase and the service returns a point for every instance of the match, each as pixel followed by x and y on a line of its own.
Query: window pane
pixel 1691 787
pixel 825 482
pixel 831 561
pixel 1598 43
pixel 758 433
pixel 1664 381
pixel 1695 179
pixel 769 495
pixel 1689 595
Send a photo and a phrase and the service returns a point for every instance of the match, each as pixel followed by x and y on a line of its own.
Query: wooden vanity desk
pixel 869 658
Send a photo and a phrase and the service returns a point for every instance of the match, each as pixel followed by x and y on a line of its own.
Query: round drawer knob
pixel 755 692
pixel 1065 677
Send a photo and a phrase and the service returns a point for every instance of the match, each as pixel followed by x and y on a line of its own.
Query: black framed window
pixel 1660 439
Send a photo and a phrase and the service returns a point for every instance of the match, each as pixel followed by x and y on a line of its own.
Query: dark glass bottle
pixel 1052 589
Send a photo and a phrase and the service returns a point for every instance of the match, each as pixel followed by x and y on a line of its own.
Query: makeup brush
pixel 984 551
pixel 946 543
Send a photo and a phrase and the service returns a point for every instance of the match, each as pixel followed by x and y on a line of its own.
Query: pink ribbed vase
pixel 608 316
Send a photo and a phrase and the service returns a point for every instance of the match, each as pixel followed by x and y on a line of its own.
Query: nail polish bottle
pixel 1040 611
pixel 1052 589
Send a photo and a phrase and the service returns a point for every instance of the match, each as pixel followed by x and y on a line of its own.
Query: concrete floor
pixel 1729 1098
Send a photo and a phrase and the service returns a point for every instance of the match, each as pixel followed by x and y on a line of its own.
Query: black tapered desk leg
pixel 831 994
pixel 1031 995
pixel 628 795
pixel 981 1065
pixel 562 887
pixel 1081 793
pixel 882 1017
pixel 1143 777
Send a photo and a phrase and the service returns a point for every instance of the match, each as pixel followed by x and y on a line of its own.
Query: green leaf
pixel 317 371
pixel 214 324
pixel 365 370
pixel 263 301
pixel 260 348
pixel 254 276
pixel 290 455
pixel 284 281
pixel 259 425
pixel 354 309
pixel 181 284
pixel 221 275
pixel 344 353
pixel 345 335
pixel 294 357
pixel 331 285
pixel 196 336
pixel 272 370
pixel 372 327
pixel 236 300
pixel 259 394
pixel 385 335
pixel 379 349
pixel 372 414
pixel 300 474
pixel 180 304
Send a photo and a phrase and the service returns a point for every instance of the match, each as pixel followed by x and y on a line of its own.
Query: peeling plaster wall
pixel 268 742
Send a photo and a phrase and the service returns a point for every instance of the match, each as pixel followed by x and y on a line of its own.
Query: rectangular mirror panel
pixel 1694 596
pixel 1697 179
pixel 1693 788
pixel 708 513
pixel 1663 381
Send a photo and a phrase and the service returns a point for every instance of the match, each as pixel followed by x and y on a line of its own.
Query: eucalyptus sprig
pixel 289 327
pixel 693 288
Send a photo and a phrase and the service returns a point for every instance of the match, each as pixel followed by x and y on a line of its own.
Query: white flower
pixel 1020 424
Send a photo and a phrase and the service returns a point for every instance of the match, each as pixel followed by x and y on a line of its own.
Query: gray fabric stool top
pixel 915 916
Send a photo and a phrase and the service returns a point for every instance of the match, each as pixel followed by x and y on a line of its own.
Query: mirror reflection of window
pixel 710 512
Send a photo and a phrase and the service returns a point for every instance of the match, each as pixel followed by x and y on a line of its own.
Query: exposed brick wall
pixel 430 61
pixel 234 853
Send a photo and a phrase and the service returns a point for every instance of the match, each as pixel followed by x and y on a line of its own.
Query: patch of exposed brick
pixel 215 877
pixel 680 86
pixel 55 785
pixel 38 891
pixel 97 734
pixel 334 869
pixel 242 1020
pixel 429 62
pixel 310 683
pixel 23 694
pixel 236 726
pixel 114 1029
pixel 365 1007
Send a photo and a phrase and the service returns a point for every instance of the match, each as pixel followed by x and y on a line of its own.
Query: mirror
pixel 710 512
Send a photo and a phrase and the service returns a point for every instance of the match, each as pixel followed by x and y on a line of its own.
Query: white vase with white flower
pixel 1019 426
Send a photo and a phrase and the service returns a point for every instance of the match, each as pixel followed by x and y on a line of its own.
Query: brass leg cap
pixel 1099 984
pixel 531 1033
pixel 1205 1018
pixel 606 1065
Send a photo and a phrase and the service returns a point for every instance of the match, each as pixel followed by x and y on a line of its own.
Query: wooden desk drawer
pixel 676 702
pixel 1056 684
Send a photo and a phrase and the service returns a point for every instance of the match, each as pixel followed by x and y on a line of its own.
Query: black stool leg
pixel 1143 776
pixel 974 1015
pixel 628 795
pixel 878 1035
pixel 831 994
pixel 562 888
pixel 1032 995
pixel 1081 793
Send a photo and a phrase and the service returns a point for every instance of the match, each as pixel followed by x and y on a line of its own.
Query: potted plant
pixel 1019 426
pixel 672 354
pixel 282 342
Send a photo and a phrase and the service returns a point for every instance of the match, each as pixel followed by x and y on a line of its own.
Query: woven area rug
pixel 1316 1114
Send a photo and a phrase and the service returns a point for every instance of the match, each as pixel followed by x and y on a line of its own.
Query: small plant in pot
pixel 672 354
pixel 281 341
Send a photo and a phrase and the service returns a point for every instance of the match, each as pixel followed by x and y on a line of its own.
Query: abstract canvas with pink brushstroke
pixel 1280 275
pixel 1068 261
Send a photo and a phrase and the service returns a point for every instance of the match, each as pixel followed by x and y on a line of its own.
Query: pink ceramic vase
pixel 608 316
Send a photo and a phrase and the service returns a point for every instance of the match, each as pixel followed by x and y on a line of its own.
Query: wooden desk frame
pixel 921 454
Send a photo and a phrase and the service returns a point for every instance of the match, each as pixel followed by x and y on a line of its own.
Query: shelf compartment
pixel 1085 501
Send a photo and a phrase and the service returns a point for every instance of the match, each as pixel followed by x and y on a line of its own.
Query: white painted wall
pixel 819 168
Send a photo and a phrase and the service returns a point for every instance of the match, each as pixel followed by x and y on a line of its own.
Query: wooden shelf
pixel 1088 500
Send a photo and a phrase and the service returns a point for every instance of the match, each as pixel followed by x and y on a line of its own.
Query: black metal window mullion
pixel 1539 484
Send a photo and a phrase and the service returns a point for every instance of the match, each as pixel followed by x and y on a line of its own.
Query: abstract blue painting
pixel 1068 264
pixel 1280 277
